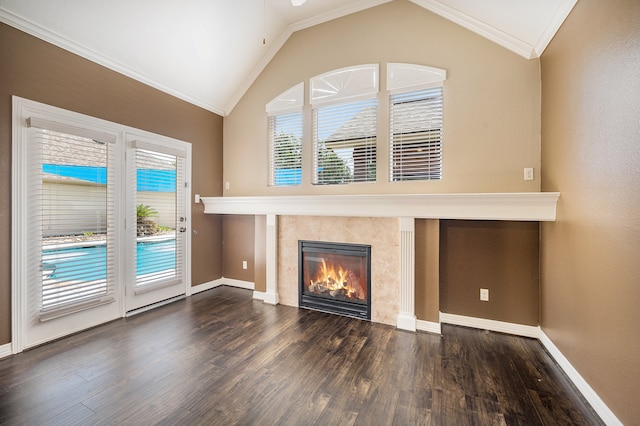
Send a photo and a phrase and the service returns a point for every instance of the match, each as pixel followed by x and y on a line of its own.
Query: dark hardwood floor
pixel 221 358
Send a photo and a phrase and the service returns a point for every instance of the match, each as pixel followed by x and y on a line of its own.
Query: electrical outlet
pixel 227 185
pixel 484 294
pixel 528 173
pixel 244 264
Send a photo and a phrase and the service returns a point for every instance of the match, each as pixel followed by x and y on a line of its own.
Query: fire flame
pixel 336 279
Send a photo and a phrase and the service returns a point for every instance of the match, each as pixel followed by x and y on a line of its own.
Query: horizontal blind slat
pixel 344 139
pixel 159 177
pixel 71 189
pixel 416 135
pixel 285 149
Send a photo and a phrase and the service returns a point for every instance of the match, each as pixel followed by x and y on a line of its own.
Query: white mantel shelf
pixel 521 206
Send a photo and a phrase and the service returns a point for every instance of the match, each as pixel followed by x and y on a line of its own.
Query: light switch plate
pixel 528 173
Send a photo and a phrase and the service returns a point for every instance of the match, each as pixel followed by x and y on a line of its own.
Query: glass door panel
pixel 156 245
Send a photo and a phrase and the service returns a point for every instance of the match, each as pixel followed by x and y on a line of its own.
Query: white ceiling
pixel 208 52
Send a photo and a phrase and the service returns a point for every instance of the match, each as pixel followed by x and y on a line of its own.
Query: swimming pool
pixel 90 263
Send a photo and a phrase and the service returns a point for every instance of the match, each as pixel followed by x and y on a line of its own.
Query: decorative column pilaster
pixel 271 254
pixel 406 316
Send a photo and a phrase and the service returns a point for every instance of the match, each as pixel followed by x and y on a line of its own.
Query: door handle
pixel 183 229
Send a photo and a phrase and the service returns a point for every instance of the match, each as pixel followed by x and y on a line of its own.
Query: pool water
pixel 90 263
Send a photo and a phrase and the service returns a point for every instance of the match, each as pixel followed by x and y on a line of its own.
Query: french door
pixel 156 221
pixel 100 219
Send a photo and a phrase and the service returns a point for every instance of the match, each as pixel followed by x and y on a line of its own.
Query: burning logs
pixel 346 287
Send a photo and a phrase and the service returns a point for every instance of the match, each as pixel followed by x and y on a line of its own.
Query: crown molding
pixel 522 48
pixel 561 13
pixel 62 42
pixel 487 31
pixel 337 13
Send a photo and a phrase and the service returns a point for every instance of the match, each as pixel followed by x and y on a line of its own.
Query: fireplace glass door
pixel 335 277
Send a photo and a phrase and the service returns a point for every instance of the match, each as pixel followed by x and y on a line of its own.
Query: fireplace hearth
pixel 335 278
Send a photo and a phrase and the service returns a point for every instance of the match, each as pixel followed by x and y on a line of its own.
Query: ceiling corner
pixel 529 45
pixel 559 16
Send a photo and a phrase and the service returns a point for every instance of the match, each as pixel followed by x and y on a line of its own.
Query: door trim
pixel 22 109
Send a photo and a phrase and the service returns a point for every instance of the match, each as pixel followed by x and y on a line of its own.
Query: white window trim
pixel 403 77
pixel 344 84
pixel 291 100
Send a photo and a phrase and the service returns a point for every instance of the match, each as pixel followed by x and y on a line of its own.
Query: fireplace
pixel 335 278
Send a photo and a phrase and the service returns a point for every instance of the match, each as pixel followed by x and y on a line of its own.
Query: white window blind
pixel 71 241
pixel 285 149
pixel 158 191
pixel 416 135
pixel 344 142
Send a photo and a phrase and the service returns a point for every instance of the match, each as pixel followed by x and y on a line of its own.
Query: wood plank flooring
pixel 221 358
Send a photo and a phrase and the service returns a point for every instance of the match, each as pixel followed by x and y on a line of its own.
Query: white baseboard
pixel 154 305
pixel 587 391
pixel 222 281
pixel 237 283
pixel 5 350
pixel 406 321
pixel 206 286
pixel 428 326
pixel 492 325
pixel 270 298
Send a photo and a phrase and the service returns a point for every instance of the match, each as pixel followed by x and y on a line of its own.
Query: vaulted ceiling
pixel 208 52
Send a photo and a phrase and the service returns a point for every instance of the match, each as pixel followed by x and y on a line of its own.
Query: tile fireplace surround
pixel 386 222
pixel 379 232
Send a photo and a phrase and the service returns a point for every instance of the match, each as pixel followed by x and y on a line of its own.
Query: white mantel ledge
pixel 524 206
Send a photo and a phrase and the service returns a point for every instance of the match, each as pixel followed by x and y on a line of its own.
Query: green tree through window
pixel 331 168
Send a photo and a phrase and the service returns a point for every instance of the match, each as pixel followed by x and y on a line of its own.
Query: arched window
pixel 344 108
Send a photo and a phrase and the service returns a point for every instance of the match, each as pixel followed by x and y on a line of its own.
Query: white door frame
pixel 23 109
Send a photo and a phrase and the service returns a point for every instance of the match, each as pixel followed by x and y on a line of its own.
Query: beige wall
pixel 33 69
pixel 590 274
pixel 491 102
pixel 491 116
